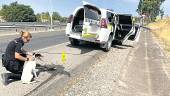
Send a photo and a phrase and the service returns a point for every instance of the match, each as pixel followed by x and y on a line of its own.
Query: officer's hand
pixel 30 57
pixel 29 53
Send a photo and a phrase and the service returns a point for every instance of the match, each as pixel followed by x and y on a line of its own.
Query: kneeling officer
pixel 14 58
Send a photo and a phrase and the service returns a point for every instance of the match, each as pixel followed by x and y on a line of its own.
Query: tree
pixel 17 13
pixel 64 19
pixel 56 16
pixel 45 17
pixel 38 17
pixel 150 8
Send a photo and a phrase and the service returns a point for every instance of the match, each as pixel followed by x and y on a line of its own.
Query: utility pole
pixel 51 16
pixel 141 13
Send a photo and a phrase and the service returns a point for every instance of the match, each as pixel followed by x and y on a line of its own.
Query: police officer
pixel 15 57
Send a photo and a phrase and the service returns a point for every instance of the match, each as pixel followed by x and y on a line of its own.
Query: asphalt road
pixel 76 62
pixel 126 71
pixel 39 40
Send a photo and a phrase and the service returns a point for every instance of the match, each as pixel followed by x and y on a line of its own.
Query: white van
pixel 98 25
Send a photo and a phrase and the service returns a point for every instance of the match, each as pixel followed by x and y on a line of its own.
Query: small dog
pixel 29 71
pixel 37 56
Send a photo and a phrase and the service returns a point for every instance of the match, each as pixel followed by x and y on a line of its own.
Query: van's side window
pixel 125 19
pixel 110 16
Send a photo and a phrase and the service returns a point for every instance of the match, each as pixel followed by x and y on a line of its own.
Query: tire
pixel 73 41
pixel 108 44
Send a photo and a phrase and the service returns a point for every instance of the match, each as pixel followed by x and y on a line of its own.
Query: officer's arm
pixel 19 57
pixel 18 51
pixel 26 52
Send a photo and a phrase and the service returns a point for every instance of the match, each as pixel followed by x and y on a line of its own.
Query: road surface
pixel 143 73
pixel 132 69
pixel 39 40
pixel 124 71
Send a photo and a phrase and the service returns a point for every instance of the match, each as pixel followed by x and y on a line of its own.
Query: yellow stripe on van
pixel 87 35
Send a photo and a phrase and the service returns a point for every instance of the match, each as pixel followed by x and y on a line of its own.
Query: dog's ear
pixel 38 55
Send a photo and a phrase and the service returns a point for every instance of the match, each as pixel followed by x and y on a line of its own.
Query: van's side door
pixel 126 27
pixel 91 25
pixel 111 20
pixel 136 35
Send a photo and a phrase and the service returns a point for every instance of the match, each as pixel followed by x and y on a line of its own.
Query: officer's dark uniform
pixel 10 63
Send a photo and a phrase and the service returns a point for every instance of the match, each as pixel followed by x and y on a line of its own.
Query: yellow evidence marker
pixel 63 57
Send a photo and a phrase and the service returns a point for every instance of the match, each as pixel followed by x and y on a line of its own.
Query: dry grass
pixel 161 29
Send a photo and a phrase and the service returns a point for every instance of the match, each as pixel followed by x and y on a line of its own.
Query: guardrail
pixel 24 26
pixel 29 23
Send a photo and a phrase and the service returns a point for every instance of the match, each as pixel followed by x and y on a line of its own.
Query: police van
pixel 98 25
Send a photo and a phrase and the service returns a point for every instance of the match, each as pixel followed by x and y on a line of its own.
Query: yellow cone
pixel 63 57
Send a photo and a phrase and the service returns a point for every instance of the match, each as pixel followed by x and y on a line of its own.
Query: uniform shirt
pixel 14 46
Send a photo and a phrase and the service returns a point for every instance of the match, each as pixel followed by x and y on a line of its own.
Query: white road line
pixel 33 32
pixel 50 47
pixel 147 67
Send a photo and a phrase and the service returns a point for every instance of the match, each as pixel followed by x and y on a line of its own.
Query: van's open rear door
pixel 91 24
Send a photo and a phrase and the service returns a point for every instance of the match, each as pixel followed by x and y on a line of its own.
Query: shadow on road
pixel 52 69
pixel 118 45
pixel 121 46
pixel 127 46
pixel 86 47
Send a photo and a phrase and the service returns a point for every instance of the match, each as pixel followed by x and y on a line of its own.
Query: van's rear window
pixel 91 14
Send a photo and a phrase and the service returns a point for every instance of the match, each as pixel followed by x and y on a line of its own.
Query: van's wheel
pixel 74 42
pixel 108 44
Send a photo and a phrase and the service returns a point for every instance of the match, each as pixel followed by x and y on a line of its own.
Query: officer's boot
pixel 4 78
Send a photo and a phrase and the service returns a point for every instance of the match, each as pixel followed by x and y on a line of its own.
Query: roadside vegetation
pixel 161 29
pixel 16 12
pixel 151 9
